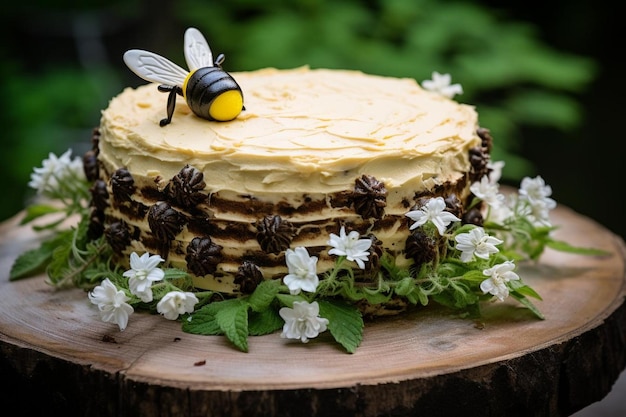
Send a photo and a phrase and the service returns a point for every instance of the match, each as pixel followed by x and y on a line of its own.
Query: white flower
pixel 476 242
pixel 112 303
pixel 535 190
pixel 142 274
pixel 302 321
pixel 495 172
pixel 440 83
pixel 350 246
pixel 488 191
pixel 55 173
pixel 175 303
pixel 302 274
pixel 537 194
pixel 502 212
pixel 433 210
pixel 538 212
pixel 499 275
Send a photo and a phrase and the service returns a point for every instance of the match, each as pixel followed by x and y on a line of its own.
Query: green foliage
pixel 344 323
pixel 507 72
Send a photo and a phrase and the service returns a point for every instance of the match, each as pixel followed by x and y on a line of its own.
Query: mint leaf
pixel 345 323
pixel 30 263
pixel 232 318
pixel 265 322
pixel 263 295
pixel 35 260
pixel 288 299
pixel 202 321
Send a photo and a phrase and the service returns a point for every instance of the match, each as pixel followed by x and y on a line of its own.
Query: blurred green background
pixel 544 80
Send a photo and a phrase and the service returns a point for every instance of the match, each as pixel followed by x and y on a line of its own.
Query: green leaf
pixel 474 275
pixel 566 247
pixel 36 260
pixel 232 318
pixel 33 261
pixel 524 290
pixel 345 323
pixel 263 295
pixel 38 210
pixel 288 299
pixel 30 263
pixel 202 322
pixel 528 304
pixel 265 322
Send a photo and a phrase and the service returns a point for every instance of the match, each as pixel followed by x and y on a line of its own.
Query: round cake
pixel 313 151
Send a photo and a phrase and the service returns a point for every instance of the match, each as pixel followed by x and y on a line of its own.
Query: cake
pixel 314 150
pixel 302 199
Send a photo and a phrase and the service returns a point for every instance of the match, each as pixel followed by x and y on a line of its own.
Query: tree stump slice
pixel 57 356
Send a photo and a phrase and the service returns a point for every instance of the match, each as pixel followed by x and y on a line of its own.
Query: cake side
pixel 314 150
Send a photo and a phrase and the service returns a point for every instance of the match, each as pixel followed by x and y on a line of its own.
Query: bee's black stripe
pixel 204 86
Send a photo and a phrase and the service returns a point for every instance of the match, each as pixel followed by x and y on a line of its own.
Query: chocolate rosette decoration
pixel 479 156
pixel 485 135
pixel 372 266
pixel 90 165
pixel 274 234
pixel 118 236
pixel 420 247
pixel 203 256
pixel 99 195
pixel 185 188
pixel 474 216
pixel 95 228
pixel 454 205
pixel 165 222
pixel 248 277
pixel 370 197
pixel 122 185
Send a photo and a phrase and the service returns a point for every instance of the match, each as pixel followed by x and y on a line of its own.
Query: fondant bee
pixel 210 92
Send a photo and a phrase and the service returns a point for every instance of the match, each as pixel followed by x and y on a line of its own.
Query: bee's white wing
pixel 154 68
pixel 197 51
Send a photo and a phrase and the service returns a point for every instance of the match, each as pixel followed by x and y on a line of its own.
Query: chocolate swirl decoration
pixel 479 156
pixel 164 221
pixel 122 185
pixel 185 188
pixel 454 205
pixel 99 195
pixel 474 216
pixel 274 234
pixel 370 197
pixel 118 236
pixel 90 165
pixel 420 247
pixel 95 228
pixel 203 256
pixel 248 277
pixel 487 141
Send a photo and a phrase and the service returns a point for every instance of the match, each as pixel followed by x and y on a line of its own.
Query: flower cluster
pixel 113 300
pixel 62 178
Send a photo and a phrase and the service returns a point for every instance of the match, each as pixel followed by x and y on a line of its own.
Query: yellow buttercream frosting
pixel 301 130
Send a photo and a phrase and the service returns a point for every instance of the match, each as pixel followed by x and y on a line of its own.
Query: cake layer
pixel 313 150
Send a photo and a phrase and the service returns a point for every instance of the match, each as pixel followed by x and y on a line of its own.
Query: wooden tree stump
pixel 58 358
